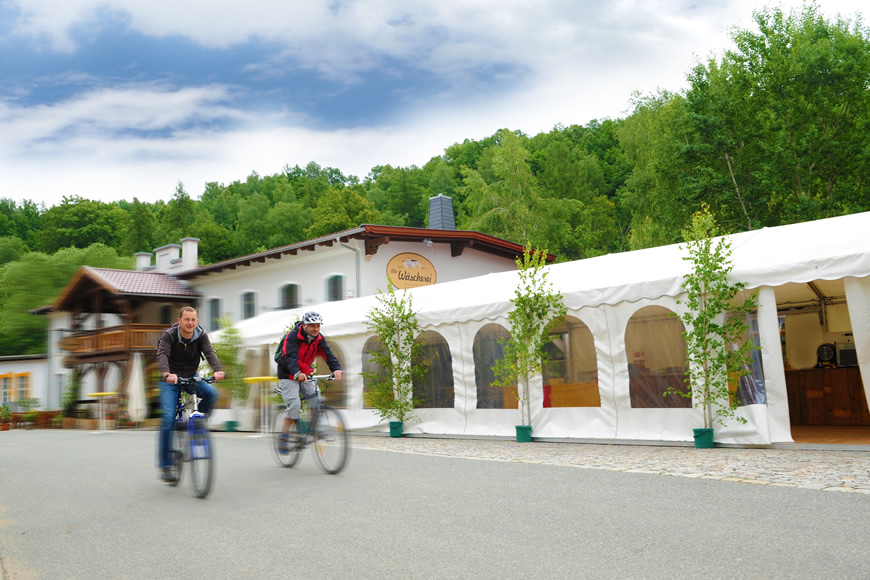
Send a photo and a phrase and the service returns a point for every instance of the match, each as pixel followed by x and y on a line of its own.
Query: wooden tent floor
pixel 831 435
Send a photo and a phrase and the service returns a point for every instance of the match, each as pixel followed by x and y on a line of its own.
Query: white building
pixel 104 316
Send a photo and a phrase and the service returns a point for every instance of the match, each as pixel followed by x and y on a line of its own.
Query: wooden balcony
pixel 113 343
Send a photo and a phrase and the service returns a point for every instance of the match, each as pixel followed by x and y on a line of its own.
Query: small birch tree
pixel 228 349
pixel 715 324
pixel 536 307
pixel 395 324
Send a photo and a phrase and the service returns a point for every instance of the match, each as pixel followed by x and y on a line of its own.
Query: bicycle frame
pixel 195 446
pixel 323 428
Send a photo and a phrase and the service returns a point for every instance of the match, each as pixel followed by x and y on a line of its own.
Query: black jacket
pixel 181 357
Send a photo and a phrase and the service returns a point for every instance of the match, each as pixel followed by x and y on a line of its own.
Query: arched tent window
pixel 335 288
pixel 335 392
pixel 289 296
pixel 249 305
pixel 571 372
pixel 373 344
pixel 656 358
pixel 486 351
pixel 435 388
pixel 214 314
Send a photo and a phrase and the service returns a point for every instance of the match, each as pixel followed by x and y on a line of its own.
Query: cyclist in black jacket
pixel 179 351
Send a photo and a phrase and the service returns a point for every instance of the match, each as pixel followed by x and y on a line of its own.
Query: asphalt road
pixel 78 505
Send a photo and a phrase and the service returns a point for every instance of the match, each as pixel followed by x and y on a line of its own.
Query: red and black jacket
pixel 298 352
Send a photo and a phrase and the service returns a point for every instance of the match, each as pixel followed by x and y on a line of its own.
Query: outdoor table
pixel 101 415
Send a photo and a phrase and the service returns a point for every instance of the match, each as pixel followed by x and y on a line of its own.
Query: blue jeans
pixel 168 403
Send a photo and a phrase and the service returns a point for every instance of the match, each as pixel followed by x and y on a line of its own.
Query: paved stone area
pixel 828 470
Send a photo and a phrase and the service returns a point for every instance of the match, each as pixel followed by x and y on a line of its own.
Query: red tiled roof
pixel 121 283
pixel 148 283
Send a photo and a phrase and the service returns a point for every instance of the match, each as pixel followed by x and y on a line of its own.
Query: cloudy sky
pixel 115 99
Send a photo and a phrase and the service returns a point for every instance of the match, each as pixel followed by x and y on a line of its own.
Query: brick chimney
pixel 441 213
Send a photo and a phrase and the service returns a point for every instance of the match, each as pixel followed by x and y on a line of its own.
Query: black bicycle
pixel 319 425
pixel 191 441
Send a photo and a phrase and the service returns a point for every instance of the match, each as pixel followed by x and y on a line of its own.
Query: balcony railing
pixel 113 339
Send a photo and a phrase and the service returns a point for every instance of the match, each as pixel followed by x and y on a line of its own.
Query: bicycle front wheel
pixel 286 448
pixel 331 440
pixel 201 458
pixel 176 454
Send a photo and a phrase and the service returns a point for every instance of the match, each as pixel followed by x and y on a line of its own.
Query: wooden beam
pixel 456 248
pixel 372 244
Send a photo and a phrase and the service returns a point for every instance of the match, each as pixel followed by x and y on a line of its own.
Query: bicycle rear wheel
pixel 201 458
pixel 331 440
pixel 176 453
pixel 286 450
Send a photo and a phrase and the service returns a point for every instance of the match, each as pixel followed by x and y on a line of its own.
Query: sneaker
pixel 283 444
pixel 167 475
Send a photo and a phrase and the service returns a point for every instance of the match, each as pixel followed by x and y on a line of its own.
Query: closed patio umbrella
pixel 136 406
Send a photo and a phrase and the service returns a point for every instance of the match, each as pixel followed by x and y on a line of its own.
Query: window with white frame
pixel 335 288
pixel 249 305
pixel 289 296
pixel 214 314
pixel 22 387
pixel 5 389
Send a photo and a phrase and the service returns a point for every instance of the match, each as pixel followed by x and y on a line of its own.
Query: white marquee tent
pixel 787 265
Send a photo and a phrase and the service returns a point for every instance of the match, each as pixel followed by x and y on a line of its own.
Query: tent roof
pixel 784 256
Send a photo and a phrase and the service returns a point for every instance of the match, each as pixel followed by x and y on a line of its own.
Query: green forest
pixel 774 131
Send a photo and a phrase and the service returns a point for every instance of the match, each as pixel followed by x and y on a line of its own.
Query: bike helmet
pixel 311 318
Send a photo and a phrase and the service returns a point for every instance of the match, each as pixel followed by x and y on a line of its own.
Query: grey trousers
pixel 290 390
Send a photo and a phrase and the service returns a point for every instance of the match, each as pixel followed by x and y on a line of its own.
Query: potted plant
pixel 536 306
pixel 391 387
pixel 229 349
pixel 715 328
pixel 5 417
pixel 30 419
pixel 30 413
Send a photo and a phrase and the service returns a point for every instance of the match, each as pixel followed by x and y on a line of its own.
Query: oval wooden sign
pixel 408 270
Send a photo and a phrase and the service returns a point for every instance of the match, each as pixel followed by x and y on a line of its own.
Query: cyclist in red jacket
pixel 300 347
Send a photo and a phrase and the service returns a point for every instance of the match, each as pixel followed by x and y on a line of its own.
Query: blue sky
pixel 115 99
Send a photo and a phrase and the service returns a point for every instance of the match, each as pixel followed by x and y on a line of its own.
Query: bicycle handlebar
pixel 330 377
pixel 194 379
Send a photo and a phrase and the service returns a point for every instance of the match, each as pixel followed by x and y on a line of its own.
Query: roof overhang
pixel 374 237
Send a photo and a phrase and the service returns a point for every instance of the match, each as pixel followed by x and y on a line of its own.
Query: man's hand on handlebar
pixel 337 375
pixel 219 376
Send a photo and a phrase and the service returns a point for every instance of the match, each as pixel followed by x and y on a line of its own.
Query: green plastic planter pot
pixel 524 433
pixel 703 438
pixel 395 428
pixel 232 425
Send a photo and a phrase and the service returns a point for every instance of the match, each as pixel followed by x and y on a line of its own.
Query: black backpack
pixel 279 350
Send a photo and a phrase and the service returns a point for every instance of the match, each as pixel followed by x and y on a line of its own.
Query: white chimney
pixel 189 253
pixel 166 255
pixel 143 261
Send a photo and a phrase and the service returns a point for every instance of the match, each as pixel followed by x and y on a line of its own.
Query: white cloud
pixel 562 62
pixel 104 113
